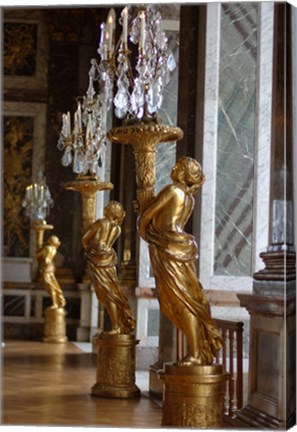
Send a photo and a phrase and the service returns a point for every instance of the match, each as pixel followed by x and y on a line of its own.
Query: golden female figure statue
pixel 173 253
pixel 45 255
pixel 102 260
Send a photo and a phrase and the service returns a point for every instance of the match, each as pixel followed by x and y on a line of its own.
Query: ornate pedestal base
pixel 272 362
pixel 55 325
pixel 116 367
pixel 193 396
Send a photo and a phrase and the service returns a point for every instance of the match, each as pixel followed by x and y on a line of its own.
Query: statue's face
pixel 188 172
pixel 176 172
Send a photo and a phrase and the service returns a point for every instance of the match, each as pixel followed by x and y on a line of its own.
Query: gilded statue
pixel 102 260
pixel 173 253
pixel 45 255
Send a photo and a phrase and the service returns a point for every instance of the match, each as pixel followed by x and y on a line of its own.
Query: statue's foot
pixel 190 360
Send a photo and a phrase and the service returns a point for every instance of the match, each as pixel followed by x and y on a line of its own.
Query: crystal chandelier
pixel 140 86
pixel 38 200
pixel 84 142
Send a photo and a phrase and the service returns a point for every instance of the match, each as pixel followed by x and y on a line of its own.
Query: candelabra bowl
pixel 144 138
pixel 88 186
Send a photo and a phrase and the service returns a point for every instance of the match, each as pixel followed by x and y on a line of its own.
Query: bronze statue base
pixel 193 396
pixel 55 325
pixel 116 367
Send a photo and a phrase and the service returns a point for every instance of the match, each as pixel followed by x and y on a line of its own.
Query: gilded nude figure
pixel 173 253
pixel 45 255
pixel 102 260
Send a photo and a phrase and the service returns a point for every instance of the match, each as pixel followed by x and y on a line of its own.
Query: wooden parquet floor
pixel 49 385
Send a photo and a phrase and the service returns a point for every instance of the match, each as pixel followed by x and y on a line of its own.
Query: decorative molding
pixel 19 37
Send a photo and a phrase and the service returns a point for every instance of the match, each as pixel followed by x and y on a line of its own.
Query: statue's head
pixel 188 172
pixel 54 241
pixel 114 210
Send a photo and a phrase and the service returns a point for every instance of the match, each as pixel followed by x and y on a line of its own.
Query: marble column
pixel 272 372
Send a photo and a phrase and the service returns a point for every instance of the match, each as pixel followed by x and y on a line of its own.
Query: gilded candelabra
pixel 193 388
pixel 116 347
pixel 37 202
pixel 83 144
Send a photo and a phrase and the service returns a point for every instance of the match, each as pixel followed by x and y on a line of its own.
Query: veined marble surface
pixel 236 161
pixel 236 139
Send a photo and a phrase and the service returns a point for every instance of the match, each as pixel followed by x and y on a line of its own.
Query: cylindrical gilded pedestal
pixel 193 396
pixel 116 367
pixel 55 325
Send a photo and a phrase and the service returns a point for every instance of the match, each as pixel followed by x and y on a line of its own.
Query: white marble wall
pixel 211 106
pixel 263 134
pixel 261 157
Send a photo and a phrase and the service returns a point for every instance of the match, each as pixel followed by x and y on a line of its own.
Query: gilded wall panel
pixel 23 157
pixel 25 45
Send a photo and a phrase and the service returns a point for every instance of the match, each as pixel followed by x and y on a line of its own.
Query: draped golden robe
pixel 103 274
pixel 173 255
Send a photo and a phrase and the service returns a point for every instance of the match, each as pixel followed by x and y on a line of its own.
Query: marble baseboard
pixel 17 269
pixel 145 356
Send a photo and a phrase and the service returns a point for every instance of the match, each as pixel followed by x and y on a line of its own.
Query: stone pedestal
pixel 193 396
pixel 55 325
pixel 116 367
pixel 272 375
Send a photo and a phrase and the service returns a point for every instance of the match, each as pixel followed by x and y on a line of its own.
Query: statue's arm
pixel 91 233
pixel 159 202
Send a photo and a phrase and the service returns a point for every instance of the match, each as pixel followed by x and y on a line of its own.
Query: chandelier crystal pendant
pixel 84 142
pixel 38 200
pixel 139 92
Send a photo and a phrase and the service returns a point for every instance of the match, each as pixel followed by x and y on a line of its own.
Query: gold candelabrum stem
pixel 87 186
pixel 40 227
pixel 144 137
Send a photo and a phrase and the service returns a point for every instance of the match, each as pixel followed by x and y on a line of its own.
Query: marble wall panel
pixel 263 132
pixel 236 159
pixel 236 139
pixel 211 101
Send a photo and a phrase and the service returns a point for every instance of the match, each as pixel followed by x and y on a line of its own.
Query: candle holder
pixel 144 137
pixel 84 144
pixel 37 202
pixel 140 91
pixel 88 186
